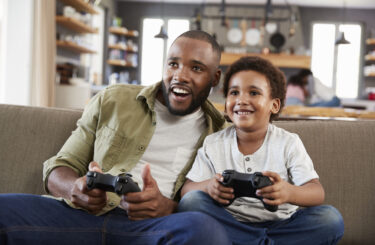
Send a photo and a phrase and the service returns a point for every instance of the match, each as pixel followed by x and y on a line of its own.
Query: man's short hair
pixel 203 36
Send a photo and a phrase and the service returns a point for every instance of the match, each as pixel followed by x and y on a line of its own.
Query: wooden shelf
pixel 122 63
pixel 80 5
pixel 75 25
pixel 279 60
pixel 74 47
pixel 123 31
pixel 370 41
pixel 370 57
pixel 122 47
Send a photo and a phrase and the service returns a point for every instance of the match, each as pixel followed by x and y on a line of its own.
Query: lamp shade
pixel 341 39
pixel 162 34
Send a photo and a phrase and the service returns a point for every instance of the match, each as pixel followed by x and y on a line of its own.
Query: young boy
pixel 255 94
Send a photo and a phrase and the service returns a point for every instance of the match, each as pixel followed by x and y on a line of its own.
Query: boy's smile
pixel 249 104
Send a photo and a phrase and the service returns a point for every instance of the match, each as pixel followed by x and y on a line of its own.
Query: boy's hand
pixel 275 194
pixel 219 192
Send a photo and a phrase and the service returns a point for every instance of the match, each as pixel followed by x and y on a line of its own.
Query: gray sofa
pixel 343 153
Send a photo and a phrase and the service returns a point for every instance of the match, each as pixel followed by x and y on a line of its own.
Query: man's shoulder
pixel 124 88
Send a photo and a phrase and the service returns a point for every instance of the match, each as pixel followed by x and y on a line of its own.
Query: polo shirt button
pixel 249 170
pixel 141 148
pixel 247 159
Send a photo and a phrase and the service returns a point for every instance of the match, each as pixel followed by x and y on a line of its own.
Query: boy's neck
pixel 250 142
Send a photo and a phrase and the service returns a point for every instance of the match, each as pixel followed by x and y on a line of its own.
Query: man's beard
pixel 196 101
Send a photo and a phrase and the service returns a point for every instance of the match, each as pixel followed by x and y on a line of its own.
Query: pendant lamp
pixel 341 39
pixel 162 33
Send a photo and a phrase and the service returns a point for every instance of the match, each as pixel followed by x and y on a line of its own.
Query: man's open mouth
pixel 179 91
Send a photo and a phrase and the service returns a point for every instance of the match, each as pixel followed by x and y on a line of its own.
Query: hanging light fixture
pixel 162 33
pixel 268 10
pixel 341 39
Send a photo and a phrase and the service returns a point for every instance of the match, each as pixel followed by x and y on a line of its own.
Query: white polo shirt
pixel 281 152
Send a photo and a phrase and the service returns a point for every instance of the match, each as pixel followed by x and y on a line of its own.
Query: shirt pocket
pixel 108 147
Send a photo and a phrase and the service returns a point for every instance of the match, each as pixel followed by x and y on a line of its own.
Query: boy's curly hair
pixel 275 77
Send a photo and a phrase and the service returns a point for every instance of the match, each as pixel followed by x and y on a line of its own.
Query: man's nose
pixel 182 74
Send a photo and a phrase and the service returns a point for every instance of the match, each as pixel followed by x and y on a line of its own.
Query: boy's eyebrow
pixel 251 86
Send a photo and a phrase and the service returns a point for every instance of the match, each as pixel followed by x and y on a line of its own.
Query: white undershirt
pixel 170 147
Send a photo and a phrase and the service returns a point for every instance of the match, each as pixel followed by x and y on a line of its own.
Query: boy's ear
pixel 275 105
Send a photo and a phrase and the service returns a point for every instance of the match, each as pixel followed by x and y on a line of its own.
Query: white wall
pixel 15 56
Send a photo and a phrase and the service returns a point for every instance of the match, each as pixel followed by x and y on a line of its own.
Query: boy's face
pixel 249 104
pixel 190 72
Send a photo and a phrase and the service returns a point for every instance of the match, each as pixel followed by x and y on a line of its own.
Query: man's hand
pixel 149 203
pixel 92 200
pixel 219 192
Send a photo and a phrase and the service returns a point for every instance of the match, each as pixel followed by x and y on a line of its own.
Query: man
pixel 152 132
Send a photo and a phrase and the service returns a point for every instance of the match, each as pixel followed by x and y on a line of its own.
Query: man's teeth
pixel 180 91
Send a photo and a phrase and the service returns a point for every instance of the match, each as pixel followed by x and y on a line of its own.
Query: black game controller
pixel 119 184
pixel 245 185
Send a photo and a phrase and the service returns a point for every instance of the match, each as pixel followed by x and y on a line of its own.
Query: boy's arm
pixel 212 187
pixel 309 194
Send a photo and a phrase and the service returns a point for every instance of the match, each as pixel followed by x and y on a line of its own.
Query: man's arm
pixel 65 182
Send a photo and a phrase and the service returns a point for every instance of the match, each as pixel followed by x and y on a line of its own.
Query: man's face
pixel 190 72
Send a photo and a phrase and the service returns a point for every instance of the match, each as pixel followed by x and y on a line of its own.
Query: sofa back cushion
pixel 28 137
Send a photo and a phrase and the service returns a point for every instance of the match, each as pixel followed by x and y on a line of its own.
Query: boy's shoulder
pixel 280 133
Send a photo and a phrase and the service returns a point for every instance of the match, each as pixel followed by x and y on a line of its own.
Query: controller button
pixel 249 170
pixel 247 159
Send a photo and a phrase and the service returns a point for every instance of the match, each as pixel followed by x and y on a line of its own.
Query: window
pixel 154 50
pixel 337 66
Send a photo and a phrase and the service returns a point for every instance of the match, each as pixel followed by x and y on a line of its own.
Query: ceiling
pixel 366 4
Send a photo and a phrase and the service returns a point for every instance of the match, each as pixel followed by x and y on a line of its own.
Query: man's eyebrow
pixel 198 62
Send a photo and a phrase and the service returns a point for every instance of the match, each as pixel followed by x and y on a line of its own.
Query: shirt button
pixel 249 170
pixel 141 148
pixel 247 159
pixel 111 204
pixel 153 123
pixel 123 170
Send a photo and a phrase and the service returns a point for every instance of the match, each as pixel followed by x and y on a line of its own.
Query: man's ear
pixel 276 103
pixel 216 77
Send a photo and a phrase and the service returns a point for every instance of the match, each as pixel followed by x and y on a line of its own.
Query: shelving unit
pixel 80 5
pixel 74 47
pixel 75 25
pixel 279 60
pixel 71 45
pixel 123 54
pixel 369 69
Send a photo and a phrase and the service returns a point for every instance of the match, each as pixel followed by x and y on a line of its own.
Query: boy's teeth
pixel 243 113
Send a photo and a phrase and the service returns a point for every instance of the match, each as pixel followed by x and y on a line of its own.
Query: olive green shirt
pixel 114 131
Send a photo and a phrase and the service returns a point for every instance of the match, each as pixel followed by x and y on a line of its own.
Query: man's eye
pixel 197 68
pixel 173 64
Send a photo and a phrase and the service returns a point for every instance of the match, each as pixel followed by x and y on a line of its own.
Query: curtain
pixel 43 66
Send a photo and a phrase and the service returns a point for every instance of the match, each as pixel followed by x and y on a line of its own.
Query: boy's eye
pixel 233 92
pixel 253 93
